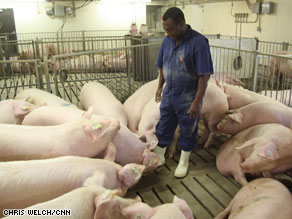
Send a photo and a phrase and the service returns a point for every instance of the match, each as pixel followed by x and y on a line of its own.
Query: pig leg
pixel 210 139
pixel 172 148
pixel 267 174
pixel 206 132
pixel 239 175
pixel 224 214
pixel 110 153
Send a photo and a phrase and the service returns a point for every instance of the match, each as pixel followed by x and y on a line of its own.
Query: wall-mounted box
pixel 255 8
pixel 267 7
pixel 49 11
pixel 59 11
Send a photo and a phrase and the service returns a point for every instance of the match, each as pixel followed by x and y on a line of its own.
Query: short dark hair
pixel 175 14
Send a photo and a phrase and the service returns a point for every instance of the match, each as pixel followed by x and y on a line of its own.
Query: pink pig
pixel 263 112
pixel 103 101
pixel 259 149
pixel 179 209
pixel 261 199
pixel 214 107
pixel 130 149
pixel 25 183
pixel 83 137
pixel 87 203
pixel 238 97
pixel 13 111
pixel 149 118
pixel 40 97
pixel 271 152
pixel 134 105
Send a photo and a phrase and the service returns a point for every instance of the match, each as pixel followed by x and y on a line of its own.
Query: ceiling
pixel 161 1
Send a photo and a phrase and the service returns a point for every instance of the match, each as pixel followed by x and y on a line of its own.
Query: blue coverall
pixel 182 65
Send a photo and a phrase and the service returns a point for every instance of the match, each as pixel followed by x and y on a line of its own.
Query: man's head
pixel 174 23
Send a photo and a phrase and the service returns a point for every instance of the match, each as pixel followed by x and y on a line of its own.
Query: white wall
pixel 31 16
pixel 275 27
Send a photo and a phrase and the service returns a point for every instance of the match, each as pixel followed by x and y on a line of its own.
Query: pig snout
pixel 150 160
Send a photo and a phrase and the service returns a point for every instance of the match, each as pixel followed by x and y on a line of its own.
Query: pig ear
pixel 103 202
pixel 248 143
pixel 183 206
pixel 88 113
pixel 130 174
pixel 150 159
pixel 151 145
pixel 237 117
pixel 269 150
pixel 21 110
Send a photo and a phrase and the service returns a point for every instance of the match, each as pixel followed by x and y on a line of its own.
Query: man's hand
pixel 158 95
pixel 194 110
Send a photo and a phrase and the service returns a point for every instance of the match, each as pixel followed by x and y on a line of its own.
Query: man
pixel 185 66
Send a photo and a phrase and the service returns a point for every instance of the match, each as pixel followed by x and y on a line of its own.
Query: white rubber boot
pixel 160 152
pixel 182 168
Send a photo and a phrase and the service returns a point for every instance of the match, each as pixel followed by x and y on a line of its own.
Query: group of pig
pixel 56 156
pixel 260 144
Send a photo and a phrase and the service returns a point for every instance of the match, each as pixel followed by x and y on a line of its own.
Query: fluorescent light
pixel 25 0
pixel 125 1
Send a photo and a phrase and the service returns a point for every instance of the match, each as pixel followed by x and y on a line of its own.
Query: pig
pixel 149 118
pixel 262 198
pixel 264 112
pixel 214 98
pixel 82 137
pixel 85 202
pixel 39 97
pixel 25 183
pixel 280 65
pixel 130 149
pixel 238 97
pixel 179 209
pixel 14 111
pixel 213 110
pixel 259 149
pixel 271 152
pixel 228 78
pixel 103 101
pixel 134 105
pixel 283 96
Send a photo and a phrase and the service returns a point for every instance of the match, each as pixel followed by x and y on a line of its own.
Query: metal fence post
pixel 39 74
pixel 256 70
pixel 46 71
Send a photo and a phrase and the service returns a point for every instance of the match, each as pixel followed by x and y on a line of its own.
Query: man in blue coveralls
pixel 185 66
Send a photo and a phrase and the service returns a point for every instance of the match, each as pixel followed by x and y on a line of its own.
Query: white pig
pixel 130 149
pixel 82 137
pixel 134 105
pixel 86 202
pixel 259 149
pixel 238 97
pixel 179 209
pixel 149 118
pixel 263 112
pixel 214 107
pixel 25 183
pixel 39 97
pixel 260 199
pixel 13 111
pixel 103 101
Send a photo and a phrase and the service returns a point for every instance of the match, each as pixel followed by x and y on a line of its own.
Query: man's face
pixel 175 31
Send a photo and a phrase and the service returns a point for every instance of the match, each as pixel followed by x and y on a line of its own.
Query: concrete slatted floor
pixel 206 191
